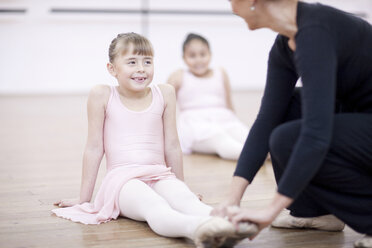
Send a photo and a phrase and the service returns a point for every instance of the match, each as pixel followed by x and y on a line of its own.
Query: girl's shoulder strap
pixel 218 74
pixel 113 92
pixel 218 71
pixel 158 93
pixel 112 95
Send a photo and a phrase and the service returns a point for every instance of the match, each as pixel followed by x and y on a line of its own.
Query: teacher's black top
pixel 333 57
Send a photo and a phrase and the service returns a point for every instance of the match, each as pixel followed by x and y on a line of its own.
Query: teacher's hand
pixel 262 218
pixel 221 209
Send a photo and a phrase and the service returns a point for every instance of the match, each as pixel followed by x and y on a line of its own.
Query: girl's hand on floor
pixel 67 202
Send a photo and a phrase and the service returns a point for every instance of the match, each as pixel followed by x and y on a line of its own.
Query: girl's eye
pixel 148 62
pixel 131 62
pixel 204 54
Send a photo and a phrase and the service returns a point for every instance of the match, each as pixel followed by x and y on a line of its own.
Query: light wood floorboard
pixel 41 143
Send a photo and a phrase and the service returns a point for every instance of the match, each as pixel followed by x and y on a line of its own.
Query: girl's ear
pixel 111 69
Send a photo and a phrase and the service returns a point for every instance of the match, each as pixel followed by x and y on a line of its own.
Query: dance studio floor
pixel 41 144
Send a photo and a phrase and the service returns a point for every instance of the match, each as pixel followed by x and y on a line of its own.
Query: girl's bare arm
pixel 94 151
pixel 227 86
pixel 173 153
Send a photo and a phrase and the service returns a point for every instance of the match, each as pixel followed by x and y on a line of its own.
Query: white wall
pixel 58 53
pixel 233 47
pixel 44 52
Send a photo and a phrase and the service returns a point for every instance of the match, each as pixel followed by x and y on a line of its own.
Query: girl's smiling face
pixel 197 57
pixel 134 72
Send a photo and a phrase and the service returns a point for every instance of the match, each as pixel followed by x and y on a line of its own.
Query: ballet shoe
pixel 324 222
pixel 219 232
pixel 365 242
pixel 212 233
pixel 245 230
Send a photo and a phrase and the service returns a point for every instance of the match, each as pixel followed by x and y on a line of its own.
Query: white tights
pixel 227 144
pixel 169 207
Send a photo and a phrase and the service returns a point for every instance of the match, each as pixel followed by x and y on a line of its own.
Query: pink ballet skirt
pixel 200 124
pixel 134 149
pixel 203 111
pixel 106 203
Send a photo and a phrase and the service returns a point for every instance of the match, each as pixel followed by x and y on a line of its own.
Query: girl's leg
pixel 181 198
pixel 140 202
pixel 222 144
pixel 218 232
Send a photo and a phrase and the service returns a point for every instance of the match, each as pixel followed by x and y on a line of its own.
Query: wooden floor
pixel 41 144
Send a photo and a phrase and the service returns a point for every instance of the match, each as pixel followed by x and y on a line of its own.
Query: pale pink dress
pixel 134 148
pixel 203 112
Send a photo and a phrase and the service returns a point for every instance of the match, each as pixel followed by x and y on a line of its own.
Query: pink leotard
pixel 134 148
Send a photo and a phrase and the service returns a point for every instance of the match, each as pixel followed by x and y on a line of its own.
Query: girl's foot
pixel 211 233
pixel 365 242
pixel 325 222
pixel 219 232
pixel 245 230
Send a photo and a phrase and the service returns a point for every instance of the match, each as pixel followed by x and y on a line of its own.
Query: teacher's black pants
pixel 343 184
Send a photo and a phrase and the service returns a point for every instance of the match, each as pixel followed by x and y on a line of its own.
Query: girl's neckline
pixel 211 72
pixel 135 111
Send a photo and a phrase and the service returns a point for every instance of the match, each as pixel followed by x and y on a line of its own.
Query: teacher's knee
pixel 281 142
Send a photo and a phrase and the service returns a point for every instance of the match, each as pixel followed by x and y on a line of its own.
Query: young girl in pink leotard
pixel 207 122
pixel 134 125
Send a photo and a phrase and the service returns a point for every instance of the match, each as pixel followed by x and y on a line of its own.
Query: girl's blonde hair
pixel 120 45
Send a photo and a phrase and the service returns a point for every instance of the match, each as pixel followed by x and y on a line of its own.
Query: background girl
pixel 207 122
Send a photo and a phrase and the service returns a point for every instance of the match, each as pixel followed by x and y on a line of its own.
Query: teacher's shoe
pixel 365 242
pixel 219 232
pixel 324 222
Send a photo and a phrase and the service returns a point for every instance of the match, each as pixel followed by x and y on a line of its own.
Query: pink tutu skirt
pixel 200 124
pixel 106 203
